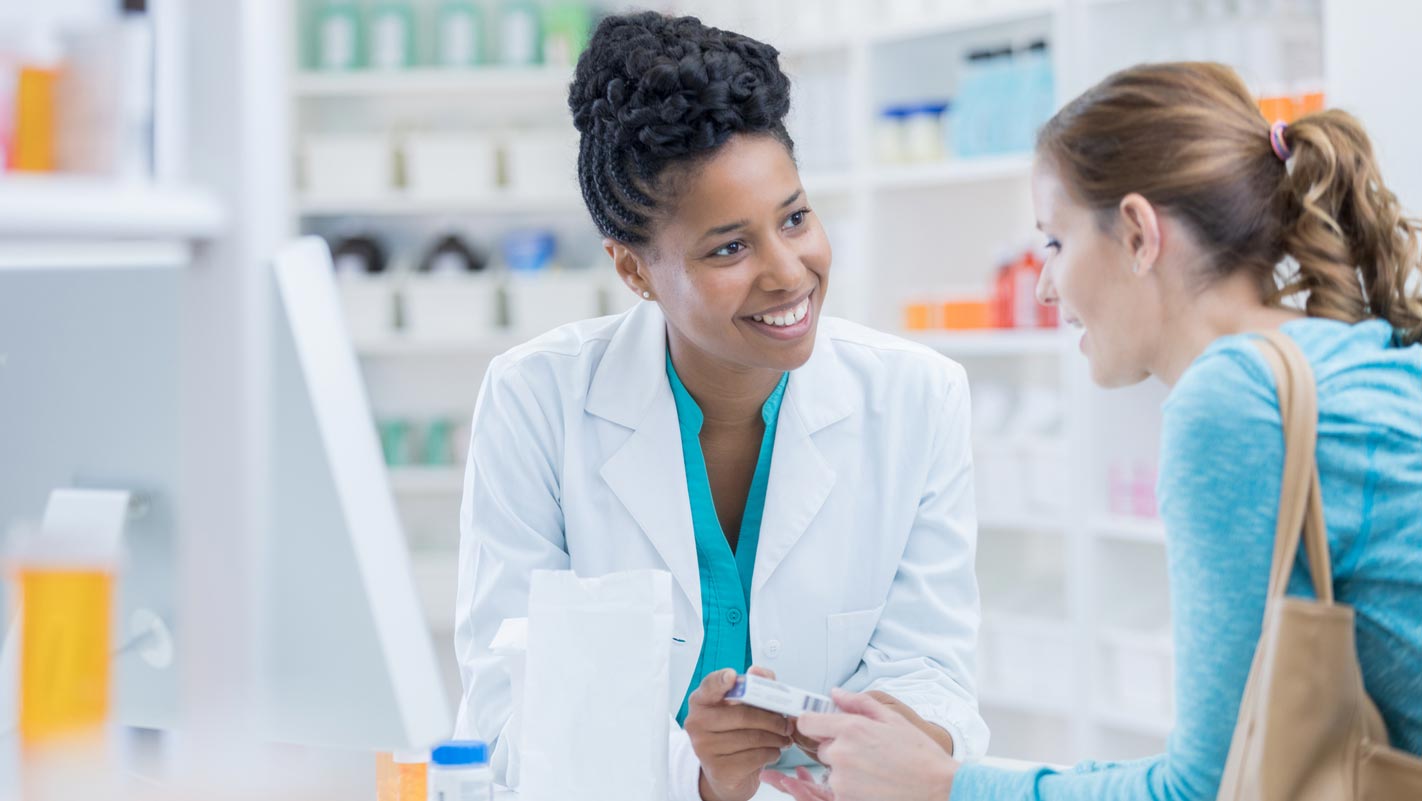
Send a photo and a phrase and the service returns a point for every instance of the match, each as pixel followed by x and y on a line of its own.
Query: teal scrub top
pixel 725 576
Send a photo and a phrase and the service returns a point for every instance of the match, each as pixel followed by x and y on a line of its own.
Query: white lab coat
pixel 864 573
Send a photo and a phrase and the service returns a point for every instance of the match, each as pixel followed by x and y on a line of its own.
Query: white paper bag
pixel 596 704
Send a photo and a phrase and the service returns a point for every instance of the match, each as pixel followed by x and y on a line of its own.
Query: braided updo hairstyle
pixel 654 95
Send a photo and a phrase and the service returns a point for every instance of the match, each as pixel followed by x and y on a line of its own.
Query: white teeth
pixel 791 317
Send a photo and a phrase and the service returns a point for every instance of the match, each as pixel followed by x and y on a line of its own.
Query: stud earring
pixel 646 295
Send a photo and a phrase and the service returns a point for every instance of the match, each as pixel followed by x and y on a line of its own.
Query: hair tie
pixel 1276 140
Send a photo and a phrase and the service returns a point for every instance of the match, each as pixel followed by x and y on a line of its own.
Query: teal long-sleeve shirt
pixel 1221 458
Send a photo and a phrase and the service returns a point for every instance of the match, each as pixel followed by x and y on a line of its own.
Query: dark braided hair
pixel 653 92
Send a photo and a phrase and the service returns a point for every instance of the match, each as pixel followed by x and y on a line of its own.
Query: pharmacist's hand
pixel 734 742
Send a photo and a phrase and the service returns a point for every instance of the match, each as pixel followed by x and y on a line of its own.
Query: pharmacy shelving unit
pixel 1068 579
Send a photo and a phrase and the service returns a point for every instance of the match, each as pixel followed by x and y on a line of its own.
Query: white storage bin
pixel 1013 659
pixel 1001 481
pixel 451 166
pixel 1140 668
pixel 541 164
pixel 540 302
pixel 368 302
pixel 349 167
pixel 451 307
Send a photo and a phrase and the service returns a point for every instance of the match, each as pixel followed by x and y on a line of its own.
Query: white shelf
pixel 398 205
pixel 439 480
pixel 1022 522
pixel 999 13
pixel 487 81
pixel 810 46
pixel 71 207
pixel 1024 705
pixel 399 346
pixel 1149 725
pixel 1029 342
pixel 436 575
pixel 828 182
pixel 954 172
pixel 1130 529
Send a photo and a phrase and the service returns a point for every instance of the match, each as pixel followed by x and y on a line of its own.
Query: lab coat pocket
pixel 847 637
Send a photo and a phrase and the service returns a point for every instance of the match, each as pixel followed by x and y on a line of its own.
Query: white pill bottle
pixel 459 771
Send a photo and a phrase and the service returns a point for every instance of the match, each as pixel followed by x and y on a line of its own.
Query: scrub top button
pixel 772 649
pixel 733 616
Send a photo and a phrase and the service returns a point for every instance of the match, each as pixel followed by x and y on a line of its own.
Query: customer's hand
pixel 874 754
pixel 811 746
pixel 733 742
pixel 802 787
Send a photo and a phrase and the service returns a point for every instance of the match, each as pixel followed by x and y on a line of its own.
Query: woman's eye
pixel 730 249
pixel 797 219
pixel 1053 244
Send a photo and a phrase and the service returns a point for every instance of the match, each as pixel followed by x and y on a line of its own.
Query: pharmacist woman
pixel 807 482
pixel 1168 202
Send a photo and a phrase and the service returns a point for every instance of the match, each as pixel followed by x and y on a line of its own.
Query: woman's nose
pixel 1046 290
pixel 783 269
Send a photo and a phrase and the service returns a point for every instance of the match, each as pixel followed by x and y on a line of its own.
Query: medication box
pixel 773 696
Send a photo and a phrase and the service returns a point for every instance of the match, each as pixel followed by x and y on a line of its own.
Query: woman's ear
pixel 630 266
pixel 1140 229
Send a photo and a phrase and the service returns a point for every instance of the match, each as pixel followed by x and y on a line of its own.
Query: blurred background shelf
pixel 1140 724
pixel 399 346
pixel 953 173
pixel 439 480
pixel 436 575
pixel 995 343
pixel 1023 522
pixel 962 18
pixel 34 207
pixel 482 81
pixel 1130 529
pixel 405 206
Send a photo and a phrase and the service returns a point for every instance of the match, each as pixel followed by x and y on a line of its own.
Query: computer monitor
pixel 90 391
pixel 349 661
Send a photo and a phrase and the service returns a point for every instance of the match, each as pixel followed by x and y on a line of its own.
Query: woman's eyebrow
pixel 729 227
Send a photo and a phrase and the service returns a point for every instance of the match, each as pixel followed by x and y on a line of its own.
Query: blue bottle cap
pixel 461 754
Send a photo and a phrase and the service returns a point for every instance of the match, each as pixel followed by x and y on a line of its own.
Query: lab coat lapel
pixel 646 472
pixel 648 475
pixel 801 480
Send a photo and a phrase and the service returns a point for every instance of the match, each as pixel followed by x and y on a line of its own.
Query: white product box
pixel 349 167
pixel 368 302
pixel 451 166
pixel 770 695
pixel 451 307
pixel 542 301
pixel 541 164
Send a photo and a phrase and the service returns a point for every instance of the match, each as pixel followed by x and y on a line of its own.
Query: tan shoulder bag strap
pixel 1300 498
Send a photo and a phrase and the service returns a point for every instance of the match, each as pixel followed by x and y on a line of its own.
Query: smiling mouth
pixel 785 316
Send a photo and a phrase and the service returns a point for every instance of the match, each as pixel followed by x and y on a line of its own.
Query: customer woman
pixel 1168 202
pixel 807 482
